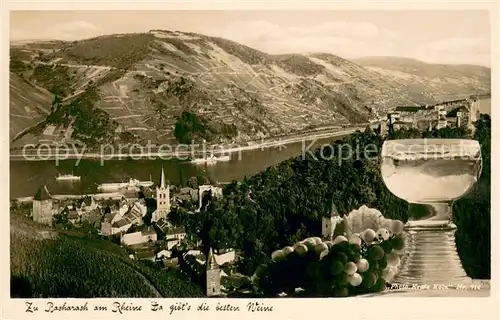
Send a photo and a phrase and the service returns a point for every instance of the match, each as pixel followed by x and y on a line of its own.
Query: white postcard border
pixel 347 308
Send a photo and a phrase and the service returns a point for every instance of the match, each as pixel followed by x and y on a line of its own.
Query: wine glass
pixel 432 173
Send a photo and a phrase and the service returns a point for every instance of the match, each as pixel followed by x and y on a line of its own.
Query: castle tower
pixel 384 128
pixel 474 113
pixel 329 223
pixel 213 274
pixel 162 198
pixel 42 206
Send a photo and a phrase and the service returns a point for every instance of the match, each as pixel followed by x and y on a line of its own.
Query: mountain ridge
pixel 171 86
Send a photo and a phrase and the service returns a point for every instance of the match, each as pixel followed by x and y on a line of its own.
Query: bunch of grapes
pixel 364 263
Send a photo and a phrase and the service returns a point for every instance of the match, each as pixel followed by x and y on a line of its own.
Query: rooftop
pixel 453 113
pixel 410 108
pixel 42 194
pixel 120 223
pixel 148 231
pixel 177 230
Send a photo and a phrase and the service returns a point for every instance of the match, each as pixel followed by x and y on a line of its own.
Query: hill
pixel 168 86
pixel 50 265
pixel 29 104
pixel 451 77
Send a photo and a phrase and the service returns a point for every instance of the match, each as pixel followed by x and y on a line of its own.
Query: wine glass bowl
pixel 430 170
pixel 432 173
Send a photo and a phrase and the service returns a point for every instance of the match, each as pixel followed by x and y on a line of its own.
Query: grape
pixel 323 254
pixel 383 234
pixel 329 244
pixel 388 274
pixel 343 279
pixel 317 240
pixel 398 242
pixel 382 263
pixel 375 252
pixel 287 250
pixel 310 243
pixel 362 265
pixel 368 235
pixel 277 255
pixel 342 257
pixel 379 285
pixel 369 279
pixel 320 248
pixel 393 259
pixel 350 254
pixel 341 292
pixel 355 239
pixel 343 247
pixel 351 268
pixel 397 227
pixel 336 267
pixel 355 252
pixel 373 265
pixel 355 279
pixel 301 249
pixel 339 239
pixel 387 246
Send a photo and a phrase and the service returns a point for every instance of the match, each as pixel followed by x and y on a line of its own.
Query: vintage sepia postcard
pixel 249 161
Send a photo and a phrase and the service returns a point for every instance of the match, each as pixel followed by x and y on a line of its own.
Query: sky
pixel 461 37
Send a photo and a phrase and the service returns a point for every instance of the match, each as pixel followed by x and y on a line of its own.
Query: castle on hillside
pixel 162 199
pixel 455 113
pixel 42 206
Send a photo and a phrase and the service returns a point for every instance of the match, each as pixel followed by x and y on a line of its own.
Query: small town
pixel 137 218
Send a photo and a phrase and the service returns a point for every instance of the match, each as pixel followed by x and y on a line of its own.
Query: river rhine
pixel 27 176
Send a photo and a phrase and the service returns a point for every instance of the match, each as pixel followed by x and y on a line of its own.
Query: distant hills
pixel 169 86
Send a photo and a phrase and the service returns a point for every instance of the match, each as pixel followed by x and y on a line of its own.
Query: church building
pixel 162 199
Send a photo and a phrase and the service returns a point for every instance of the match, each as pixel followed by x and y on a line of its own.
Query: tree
pixel 202 180
pixel 192 183
pixel 182 183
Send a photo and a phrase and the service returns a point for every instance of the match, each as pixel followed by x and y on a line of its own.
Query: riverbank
pixel 180 153
pixel 96 196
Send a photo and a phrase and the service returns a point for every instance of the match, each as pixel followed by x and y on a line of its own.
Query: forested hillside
pixel 285 203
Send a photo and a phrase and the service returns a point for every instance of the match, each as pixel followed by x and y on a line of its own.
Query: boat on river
pixel 67 177
pixel 131 184
pixel 211 159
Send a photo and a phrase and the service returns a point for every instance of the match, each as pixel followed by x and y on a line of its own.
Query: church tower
pixel 162 199
pixel 42 206
pixel 328 223
pixel 213 274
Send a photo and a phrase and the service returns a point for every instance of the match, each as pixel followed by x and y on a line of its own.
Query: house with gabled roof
pixel 121 225
pixel 174 236
pixel 146 235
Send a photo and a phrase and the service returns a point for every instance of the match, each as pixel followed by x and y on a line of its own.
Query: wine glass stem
pixel 442 211
pixel 431 256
